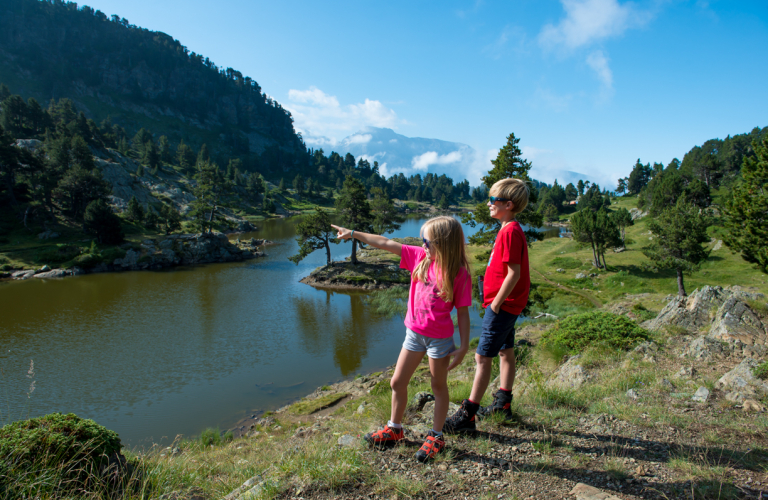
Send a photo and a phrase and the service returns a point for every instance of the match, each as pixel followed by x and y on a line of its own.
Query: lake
pixel 152 355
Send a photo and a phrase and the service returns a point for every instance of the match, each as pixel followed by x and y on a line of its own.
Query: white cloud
pixel 359 138
pixel 322 120
pixel 599 64
pixel 423 161
pixel 590 21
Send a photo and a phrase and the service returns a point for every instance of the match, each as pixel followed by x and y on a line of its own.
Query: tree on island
pixel 386 218
pixel 678 237
pixel 314 232
pixel 508 164
pixel 352 204
pixel 746 209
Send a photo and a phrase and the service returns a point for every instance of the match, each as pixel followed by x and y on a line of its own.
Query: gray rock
pixel 701 395
pixel 361 408
pixel 686 372
pixel 581 275
pixel 45 269
pixel 692 312
pixel 632 394
pixel 420 430
pixel 667 385
pixel 348 441
pixel 703 348
pixel 560 270
pixel 56 273
pixel 20 275
pixel 419 400
pixel 130 260
pixel 586 492
pixel 570 376
pixel 743 381
pixel 735 320
pixel 636 213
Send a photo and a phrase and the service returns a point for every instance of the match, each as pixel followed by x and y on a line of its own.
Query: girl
pixel 440 281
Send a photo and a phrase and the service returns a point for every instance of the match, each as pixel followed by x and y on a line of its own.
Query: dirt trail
pixel 587 296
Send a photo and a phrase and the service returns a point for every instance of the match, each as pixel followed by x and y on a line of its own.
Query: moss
pixel 309 406
pixel 761 371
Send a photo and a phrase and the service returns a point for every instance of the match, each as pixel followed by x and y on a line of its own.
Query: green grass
pixel 309 406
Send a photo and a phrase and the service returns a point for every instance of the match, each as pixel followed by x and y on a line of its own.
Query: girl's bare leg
pixel 407 363
pixel 438 368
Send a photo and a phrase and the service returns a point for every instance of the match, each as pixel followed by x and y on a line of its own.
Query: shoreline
pixel 176 250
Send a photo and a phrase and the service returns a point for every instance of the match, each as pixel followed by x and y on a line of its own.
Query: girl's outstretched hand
pixel 342 233
pixel 458 356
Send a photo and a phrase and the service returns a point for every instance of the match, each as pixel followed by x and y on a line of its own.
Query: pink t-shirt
pixel 428 314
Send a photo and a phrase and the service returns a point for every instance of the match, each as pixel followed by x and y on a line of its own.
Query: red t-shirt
pixel 510 247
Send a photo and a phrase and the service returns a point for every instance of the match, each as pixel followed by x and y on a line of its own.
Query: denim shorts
pixel 435 348
pixel 498 332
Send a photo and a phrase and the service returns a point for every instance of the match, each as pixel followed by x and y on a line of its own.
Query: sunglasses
pixel 426 241
pixel 495 199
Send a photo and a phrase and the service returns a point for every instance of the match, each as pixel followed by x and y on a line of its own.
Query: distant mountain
pixel 411 155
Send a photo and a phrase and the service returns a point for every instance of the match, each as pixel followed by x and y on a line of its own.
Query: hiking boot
pixel 431 447
pixel 387 435
pixel 463 420
pixel 500 406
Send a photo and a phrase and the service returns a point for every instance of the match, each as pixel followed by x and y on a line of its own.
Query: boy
pixel 505 295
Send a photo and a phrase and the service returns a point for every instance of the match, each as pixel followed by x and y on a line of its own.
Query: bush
pixel 54 452
pixel 57 254
pixel 213 437
pixel 100 220
pixel 575 333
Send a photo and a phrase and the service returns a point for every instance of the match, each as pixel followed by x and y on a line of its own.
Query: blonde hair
pixel 446 242
pixel 514 190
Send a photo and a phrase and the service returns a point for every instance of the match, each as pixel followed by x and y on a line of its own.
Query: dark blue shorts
pixel 498 332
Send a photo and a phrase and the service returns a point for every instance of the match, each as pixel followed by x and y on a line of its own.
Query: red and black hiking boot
pixel 387 435
pixel 431 447
pixel 463 420
pixel 502 401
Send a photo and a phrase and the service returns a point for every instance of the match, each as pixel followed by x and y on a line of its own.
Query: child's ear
pixel 510 206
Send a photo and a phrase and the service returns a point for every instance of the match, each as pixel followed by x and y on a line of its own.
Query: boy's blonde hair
pixel 514 190
pixel 446 241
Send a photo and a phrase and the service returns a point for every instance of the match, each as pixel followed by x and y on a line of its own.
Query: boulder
pixel 55 273
pixel 130 260
pixel 701 395
pixel 570 376
pixel 21 275
pixel 693 313
pixel 419 400
pixel 735 320
pixel 636 213
pixel 742 382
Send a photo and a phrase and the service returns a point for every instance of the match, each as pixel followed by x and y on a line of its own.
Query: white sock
pixel 393 425
pixel 437 434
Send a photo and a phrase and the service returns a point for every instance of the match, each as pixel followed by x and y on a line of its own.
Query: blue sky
pixel 587 85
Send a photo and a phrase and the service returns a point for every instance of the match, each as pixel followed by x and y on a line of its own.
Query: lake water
pixel 154 354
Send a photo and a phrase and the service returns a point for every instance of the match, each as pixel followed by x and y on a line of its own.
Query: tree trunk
pixel 594 256
pixel 353 256
pixel 210 221
pixel 680 286
pixel 605 264
pixel 327 253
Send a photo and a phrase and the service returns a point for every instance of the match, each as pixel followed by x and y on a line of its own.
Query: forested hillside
pixel 142 79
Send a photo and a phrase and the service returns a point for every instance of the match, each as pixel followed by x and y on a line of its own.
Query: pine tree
pixel 508 164
pixel 314 233
pixel 623 219
pixel 746 209
pixel 164 148
pixel 170 218
pixel 140 170
pixel 386 218
pixel 678 237
pixel 100 220
pixel 352 205
pixel 134 212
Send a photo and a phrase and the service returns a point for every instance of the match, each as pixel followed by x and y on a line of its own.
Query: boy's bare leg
pixel 438 369
pixel 407 363
pixel 506 368
pixel 482 377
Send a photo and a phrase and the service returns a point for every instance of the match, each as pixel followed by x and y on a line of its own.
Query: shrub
pixel 57 254
pixel 576 333
pixel 54 452
pixel 761 371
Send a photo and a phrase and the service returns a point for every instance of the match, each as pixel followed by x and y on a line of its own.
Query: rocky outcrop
pixel 570 376
pixel 724 313
pixel 741 383
pixel 636 213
